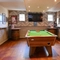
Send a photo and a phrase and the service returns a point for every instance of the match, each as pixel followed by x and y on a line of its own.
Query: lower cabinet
pixel 52 30
pixel 15 34
pixel 3 35
pixel 58 33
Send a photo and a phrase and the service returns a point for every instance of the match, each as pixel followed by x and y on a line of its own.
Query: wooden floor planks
pixel 19 50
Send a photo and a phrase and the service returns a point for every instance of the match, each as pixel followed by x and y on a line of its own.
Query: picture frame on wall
pixel 14 19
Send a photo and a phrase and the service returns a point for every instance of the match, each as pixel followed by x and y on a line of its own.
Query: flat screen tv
pixel 35 17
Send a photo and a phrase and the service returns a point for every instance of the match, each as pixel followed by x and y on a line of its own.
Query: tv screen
pixel 35 17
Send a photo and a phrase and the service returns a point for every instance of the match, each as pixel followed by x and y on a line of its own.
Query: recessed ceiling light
pixel 28 0
pixel 55 0
pixel 29 6
pixel 47 7
pixel 38 7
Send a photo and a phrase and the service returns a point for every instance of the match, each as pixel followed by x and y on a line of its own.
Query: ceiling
pixel 31 5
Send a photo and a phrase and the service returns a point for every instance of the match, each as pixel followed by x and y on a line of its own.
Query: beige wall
pixel 26 25
pixel 26 22
pixel 3 10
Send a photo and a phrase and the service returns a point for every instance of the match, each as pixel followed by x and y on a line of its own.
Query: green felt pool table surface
pixel 39 33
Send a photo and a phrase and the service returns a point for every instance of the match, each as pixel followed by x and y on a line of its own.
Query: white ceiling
pixel 23 5
pixel 55 8
pixel 13 5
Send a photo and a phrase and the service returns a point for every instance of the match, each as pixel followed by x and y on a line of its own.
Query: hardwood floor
pixel 19 50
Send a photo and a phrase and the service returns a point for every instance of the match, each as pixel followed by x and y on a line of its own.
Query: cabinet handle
pixel 48 43
pixel 32 39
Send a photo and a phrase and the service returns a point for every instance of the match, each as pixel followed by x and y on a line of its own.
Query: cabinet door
pixel 52 31
pixel 59 33
pixel 15 34
pixel 3 35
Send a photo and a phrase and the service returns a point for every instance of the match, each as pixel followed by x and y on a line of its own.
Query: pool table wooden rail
pixel 39 41
pixel 27 35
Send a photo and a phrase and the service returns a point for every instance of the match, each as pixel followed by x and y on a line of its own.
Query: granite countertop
pixel 52 28
pixel 15 28
pixel 3 27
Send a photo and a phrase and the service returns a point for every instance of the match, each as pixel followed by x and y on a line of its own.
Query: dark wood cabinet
pixel 15 33
pixel 52 30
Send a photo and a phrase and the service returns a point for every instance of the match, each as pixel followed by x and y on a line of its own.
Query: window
pixel 50 17
pixel 0 18
pixel 21 17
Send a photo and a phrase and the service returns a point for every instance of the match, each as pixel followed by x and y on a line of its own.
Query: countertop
pixel 15 28
pixel 3 27
pixel 52 28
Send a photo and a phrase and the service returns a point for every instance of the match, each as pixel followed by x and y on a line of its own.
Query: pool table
pixel 36 38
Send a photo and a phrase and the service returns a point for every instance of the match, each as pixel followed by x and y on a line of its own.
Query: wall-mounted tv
pixel 35 17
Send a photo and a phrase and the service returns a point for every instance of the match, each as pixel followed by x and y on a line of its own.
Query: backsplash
pixel 26 22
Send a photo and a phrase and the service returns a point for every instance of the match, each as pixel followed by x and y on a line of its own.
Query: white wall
pixel 58 21
pixel 3 10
